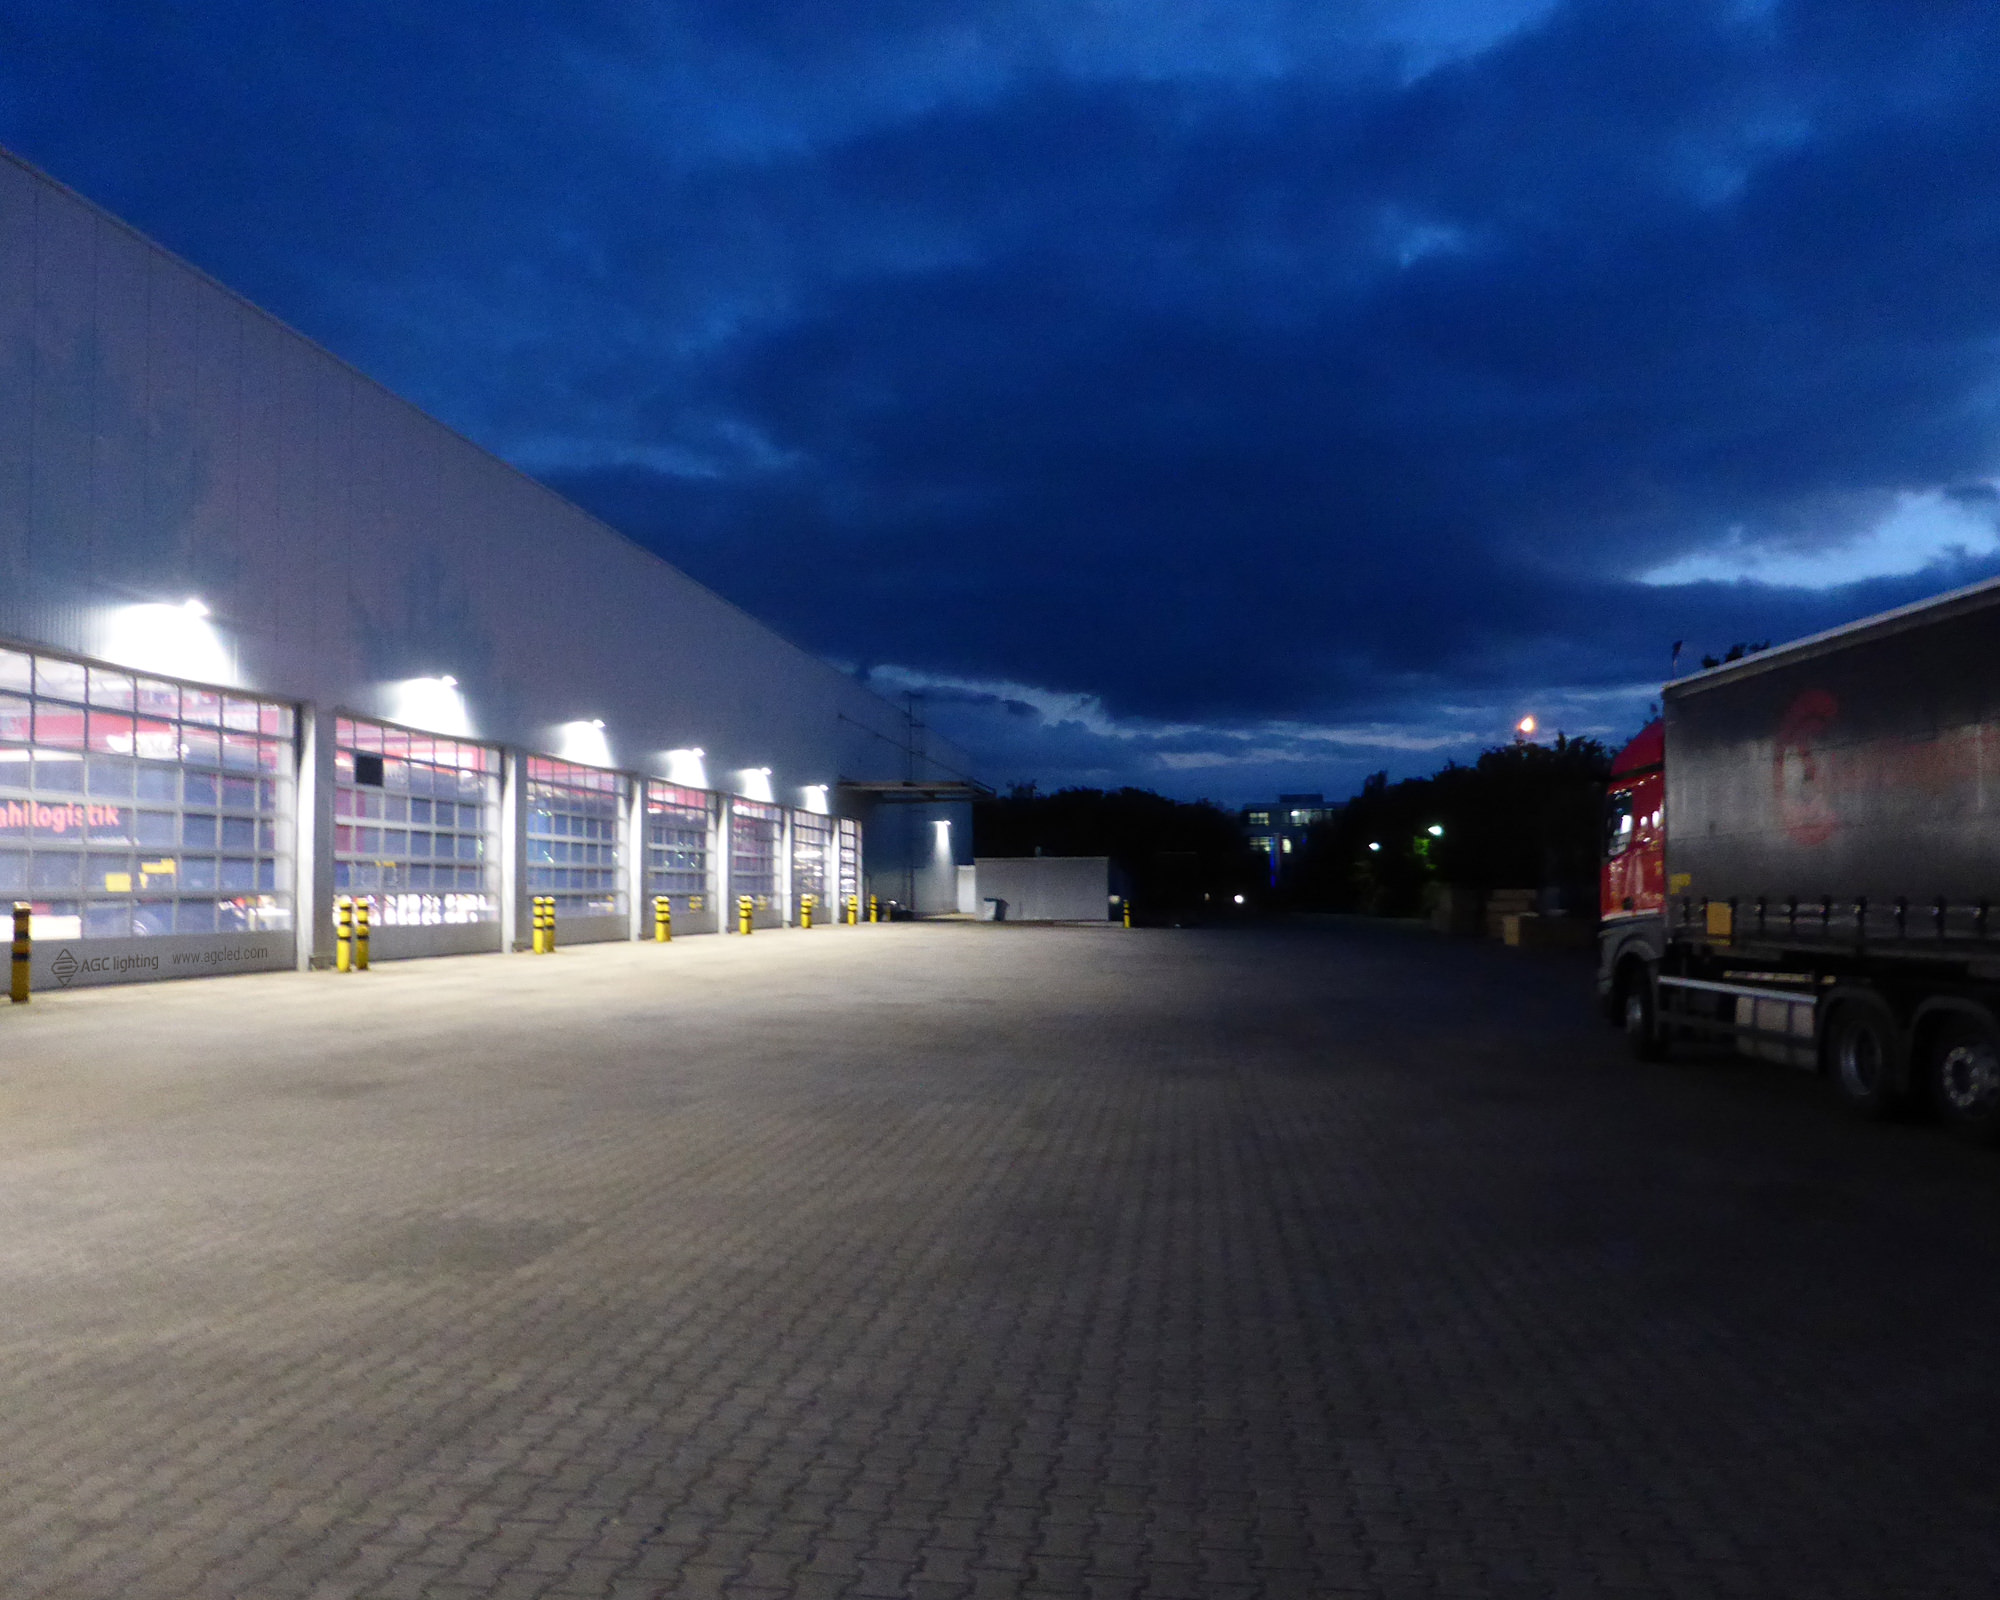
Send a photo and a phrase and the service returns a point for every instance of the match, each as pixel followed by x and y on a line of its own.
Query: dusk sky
pixel 1215 395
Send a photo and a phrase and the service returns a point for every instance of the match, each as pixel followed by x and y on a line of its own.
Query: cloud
pixel 1059 738
pixel 1919 532
pixel 1260 371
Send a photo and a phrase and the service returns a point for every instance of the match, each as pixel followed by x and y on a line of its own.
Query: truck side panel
pixel 1848 781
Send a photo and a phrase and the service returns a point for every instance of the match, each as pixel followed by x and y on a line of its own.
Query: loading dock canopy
pixel 905 789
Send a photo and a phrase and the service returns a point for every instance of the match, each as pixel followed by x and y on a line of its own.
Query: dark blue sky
pixel 1217 395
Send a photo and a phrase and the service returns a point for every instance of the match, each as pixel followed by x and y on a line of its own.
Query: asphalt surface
pixel 942 1261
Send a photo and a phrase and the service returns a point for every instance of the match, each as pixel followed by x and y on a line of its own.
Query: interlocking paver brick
pixel 970 1263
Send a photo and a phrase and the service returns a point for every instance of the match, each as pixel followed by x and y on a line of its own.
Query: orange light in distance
pixel 1526 727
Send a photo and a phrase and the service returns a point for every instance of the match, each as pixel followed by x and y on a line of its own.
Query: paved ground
pixel 970 1261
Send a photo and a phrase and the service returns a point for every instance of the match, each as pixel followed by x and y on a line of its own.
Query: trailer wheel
pixel 1962 1072
pixel 1641 1013
pixel 1864 1055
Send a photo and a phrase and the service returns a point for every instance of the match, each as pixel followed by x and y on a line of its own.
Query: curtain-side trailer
pixel 1803 856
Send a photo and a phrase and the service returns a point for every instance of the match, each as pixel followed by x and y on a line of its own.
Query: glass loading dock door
pixel 148 822
pixel 678 822
pixel 756 842
pixel 416 828
pixel 813 864
pixel 850 864
pixel 576 847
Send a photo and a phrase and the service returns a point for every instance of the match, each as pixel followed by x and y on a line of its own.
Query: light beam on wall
pixel 754 783
pixel 815 797
pixel 585 742
pixel 943 828
pixel 689 768
pixel 176 640
pixel 433 704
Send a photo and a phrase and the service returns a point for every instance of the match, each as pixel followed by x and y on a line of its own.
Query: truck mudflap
pixel 1770 1024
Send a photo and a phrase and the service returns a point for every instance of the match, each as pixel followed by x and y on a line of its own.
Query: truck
pixel 1802 859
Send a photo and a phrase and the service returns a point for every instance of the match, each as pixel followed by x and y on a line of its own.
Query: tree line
pixel 1519 816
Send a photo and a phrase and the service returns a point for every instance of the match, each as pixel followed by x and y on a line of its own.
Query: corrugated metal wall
pixel 160 437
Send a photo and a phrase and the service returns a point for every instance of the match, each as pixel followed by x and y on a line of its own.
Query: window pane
pixel 65 680
pixel 201 705
pixel 58 774
pixel 58 727
pixel 111 689
pixel 112 731
pixel 157 699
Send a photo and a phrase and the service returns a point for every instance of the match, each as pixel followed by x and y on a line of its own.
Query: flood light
pixel 177 641
pixel 1435 830
pixel 686 767
pixel 584 741
pixel 1372 845
pixel 1526 727
pixel 1239 899
pixel 433 704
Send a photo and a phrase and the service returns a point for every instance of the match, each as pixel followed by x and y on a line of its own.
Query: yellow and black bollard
pixel 663 919
pixel 874 909
pixel 1127 900
pixel 746 911
pixel 545 924
pixel 806 904
pixel 361 910
pixel 343 935
pixel 24 949
pixel 853 909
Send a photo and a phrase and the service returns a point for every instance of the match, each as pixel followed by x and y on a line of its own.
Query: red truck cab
pixel 1632 882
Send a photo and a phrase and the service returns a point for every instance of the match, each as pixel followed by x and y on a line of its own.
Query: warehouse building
pixel 270 636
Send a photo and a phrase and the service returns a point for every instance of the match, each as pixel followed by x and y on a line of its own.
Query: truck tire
pixel 1864 1056
pixel 1639 1000
pixel 1962 1074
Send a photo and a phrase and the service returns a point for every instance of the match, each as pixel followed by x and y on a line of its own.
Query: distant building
pixel 1277 828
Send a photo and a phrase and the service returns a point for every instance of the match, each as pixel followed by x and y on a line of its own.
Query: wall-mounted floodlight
pixel 1435 830
pixel 1526 727
pixel 177 640
pixel 687 768
pixel 1375 846
pixel 754 783
pixel 433 704
pixel 815 797
pixel 584 741
pixel 1239 899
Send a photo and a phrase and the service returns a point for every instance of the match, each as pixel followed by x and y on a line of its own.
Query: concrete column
pixel 635 866
pixel 725 876
pixel 716 879
pixel 515 914
pixel 787 840
pixel 312 845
